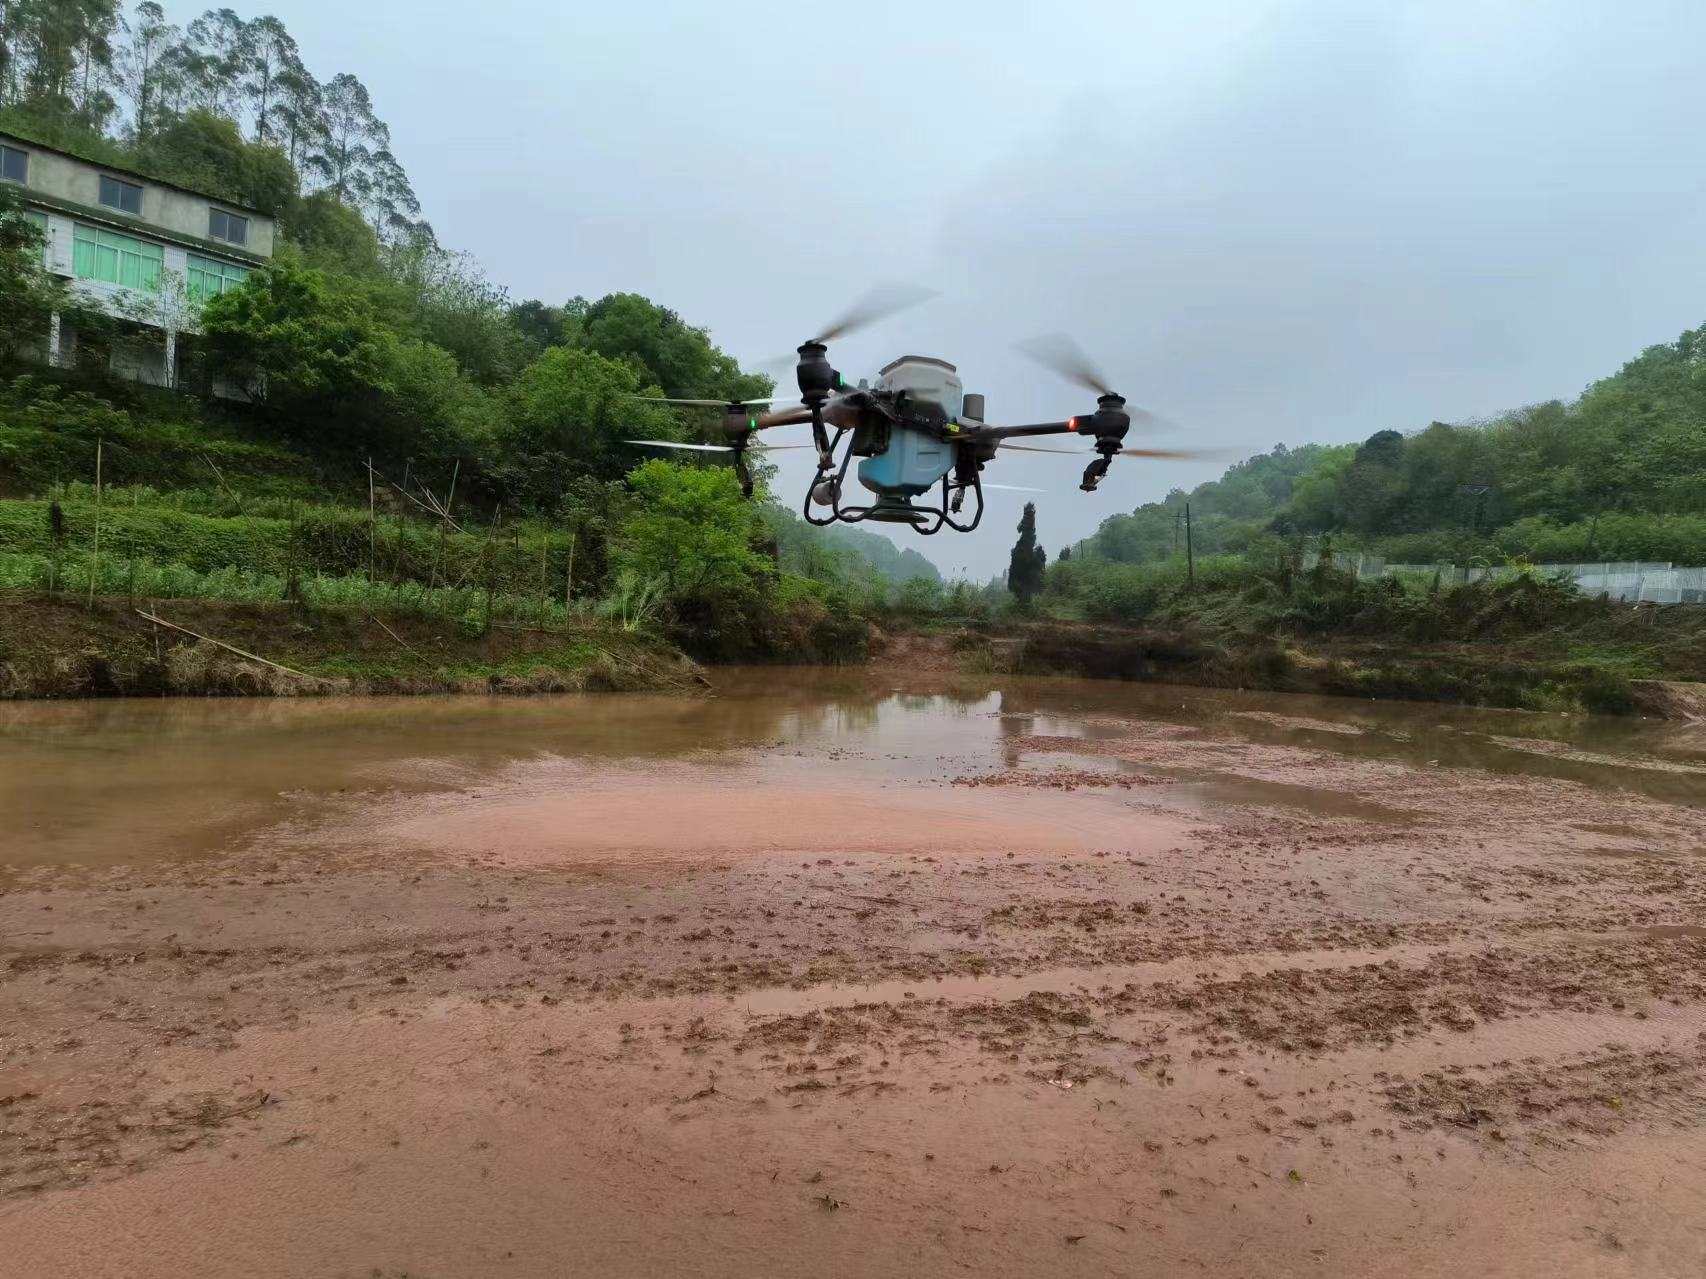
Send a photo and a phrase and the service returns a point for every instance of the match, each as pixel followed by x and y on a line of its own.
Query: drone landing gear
pixel 889 508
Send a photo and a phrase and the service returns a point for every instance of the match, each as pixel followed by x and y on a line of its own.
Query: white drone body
pixel 914 461
pixel 925 379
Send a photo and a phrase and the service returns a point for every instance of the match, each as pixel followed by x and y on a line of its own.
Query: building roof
pixel 10 134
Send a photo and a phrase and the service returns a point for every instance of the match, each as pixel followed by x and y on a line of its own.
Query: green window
pixel 208 278
pixel 115 259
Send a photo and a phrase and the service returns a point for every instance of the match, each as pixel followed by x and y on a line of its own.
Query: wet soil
pixel 823 975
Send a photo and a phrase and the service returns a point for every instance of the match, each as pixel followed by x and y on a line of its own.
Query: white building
pixel 142 250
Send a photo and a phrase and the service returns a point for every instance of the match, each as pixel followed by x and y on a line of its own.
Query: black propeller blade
pixel 710 404
pixel 1178 455
pixel 880 303
pixel 710 448
pixel 1060 354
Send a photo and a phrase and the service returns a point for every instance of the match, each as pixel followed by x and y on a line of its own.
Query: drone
pixel 915 430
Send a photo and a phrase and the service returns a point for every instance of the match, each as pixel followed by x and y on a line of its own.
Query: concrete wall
pixel 64 178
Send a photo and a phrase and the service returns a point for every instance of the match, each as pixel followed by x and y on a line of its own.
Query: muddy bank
pixel 817 976
pixel 1670 699
pixel 1479 674
pixel 58 647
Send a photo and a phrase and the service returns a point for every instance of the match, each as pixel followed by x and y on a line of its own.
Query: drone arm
pixel 1015 432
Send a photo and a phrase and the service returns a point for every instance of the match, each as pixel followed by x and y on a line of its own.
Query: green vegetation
pixel 419 464
pixel 502 492
pixel 1262 620
pixel 1619 474
pixel 1028 562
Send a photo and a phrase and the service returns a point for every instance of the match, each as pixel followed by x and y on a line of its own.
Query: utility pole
pixel 1190 552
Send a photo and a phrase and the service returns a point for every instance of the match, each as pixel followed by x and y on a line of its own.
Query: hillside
pixel 502 491
pixel 1617 474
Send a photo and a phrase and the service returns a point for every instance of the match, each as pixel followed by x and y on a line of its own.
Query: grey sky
pixel 1269 219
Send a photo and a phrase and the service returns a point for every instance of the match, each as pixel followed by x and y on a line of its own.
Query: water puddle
pixel 779 760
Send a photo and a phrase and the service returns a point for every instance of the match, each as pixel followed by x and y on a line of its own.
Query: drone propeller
pixel 676 444
pixel 1182 455
pixel 709 448
pixel 711 404
pixel 878 304
pixel 1060 354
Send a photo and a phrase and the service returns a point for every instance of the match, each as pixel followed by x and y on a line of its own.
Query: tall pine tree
pixel 1025 567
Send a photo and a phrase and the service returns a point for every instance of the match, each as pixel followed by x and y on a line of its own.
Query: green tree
pixel 207 152
pixel 137 64
pixel 690 528
pixel 29 294
pixel 297 117
pixel 540 325
pixel 1025 566
pixel 452 303
pixel 270 60
pixel 352 135
pixel 56 64
pixel 311 353
pixel 431 411
pixel 662 346
pixel 567 415
pixel 218 44
pixel 332 236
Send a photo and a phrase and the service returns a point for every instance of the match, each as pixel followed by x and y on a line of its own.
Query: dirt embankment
pixel 1473 674
pixel 55 646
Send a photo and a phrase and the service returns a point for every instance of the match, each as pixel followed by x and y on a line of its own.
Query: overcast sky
pixel 1271 220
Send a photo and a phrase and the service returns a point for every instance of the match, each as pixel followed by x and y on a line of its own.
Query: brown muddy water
pixel 825 975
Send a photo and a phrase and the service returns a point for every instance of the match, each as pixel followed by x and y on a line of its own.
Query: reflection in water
pixel 101 782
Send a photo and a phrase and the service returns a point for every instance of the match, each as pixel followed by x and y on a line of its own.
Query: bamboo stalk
pixel 290 586
pixel 372 533
pixel 393 634
pixel 95 566
pixel 431 506
pixel 230 648
pixel 444 512
pixel 569 580
pixel 491 566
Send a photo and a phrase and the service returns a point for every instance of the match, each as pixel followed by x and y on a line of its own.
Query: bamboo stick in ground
pixel 444 511
pixel 569 582
pixel 393 634
pixel 372 534
pixel 95 565
pixel 230 648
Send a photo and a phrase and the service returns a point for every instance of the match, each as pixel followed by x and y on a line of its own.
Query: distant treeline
pixel 1619 473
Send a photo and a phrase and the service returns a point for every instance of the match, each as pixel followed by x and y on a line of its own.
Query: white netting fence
pixel 1649 581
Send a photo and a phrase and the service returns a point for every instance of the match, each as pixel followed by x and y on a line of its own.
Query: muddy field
pixel 816 976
